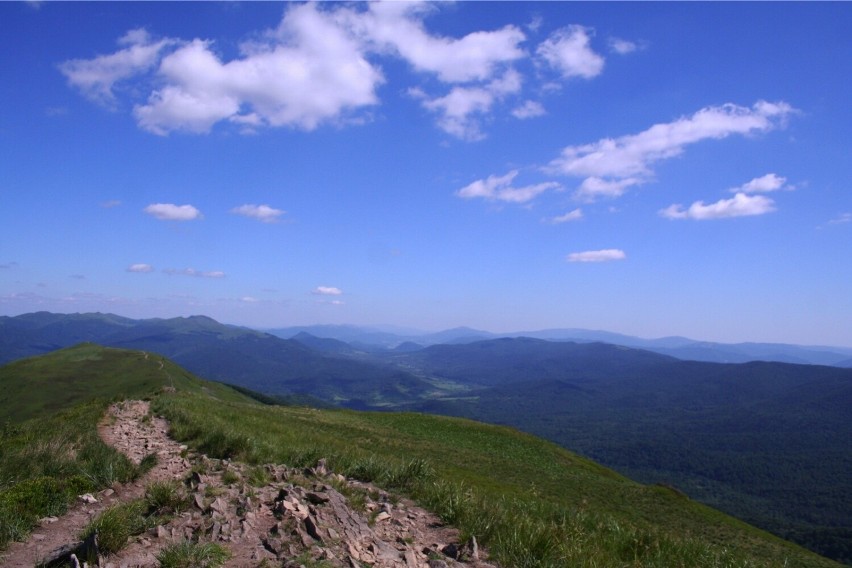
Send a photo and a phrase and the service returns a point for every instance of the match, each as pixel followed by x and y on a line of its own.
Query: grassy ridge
pixel 50 407
pixel 39 386
pixel 531 502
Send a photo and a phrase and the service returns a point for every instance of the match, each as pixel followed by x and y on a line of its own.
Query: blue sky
pixel 647 168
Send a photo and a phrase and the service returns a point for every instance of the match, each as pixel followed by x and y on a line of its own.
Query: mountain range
pixel 377 339
pixel 767 441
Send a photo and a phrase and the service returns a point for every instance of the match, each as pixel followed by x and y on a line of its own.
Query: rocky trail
pixel 265 516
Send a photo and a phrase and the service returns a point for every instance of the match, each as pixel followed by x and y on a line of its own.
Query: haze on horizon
pixel 502 166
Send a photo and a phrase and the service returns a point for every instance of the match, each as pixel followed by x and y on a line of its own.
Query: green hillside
pixel 531 502
pixel 42 385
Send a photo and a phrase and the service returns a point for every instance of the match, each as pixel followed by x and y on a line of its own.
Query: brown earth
pixel 266 516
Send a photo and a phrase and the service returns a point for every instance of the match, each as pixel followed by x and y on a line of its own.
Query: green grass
pixel 530 502
pixel 186 554
pixel 39 386
pixel 46 463
pixel 117 524
pixel 50 451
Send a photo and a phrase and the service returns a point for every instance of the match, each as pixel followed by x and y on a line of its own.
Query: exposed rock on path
pixel 268 515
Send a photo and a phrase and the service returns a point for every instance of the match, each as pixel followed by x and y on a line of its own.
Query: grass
pixel 166 497
pixel 50 451
pixel 529 502
pixel 115 526
pixel 187 554
pixel 45 464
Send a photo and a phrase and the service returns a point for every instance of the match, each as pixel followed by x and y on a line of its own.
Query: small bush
pixel 186 554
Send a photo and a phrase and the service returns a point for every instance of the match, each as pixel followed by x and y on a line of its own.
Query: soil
pixel 265 516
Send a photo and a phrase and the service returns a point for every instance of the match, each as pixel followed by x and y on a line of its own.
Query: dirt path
pixel 268 515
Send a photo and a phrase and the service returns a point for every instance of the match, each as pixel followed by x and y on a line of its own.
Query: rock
pixel 88 498
pixel 383 516
pixel 316 498
pixel 471 549
pixel 311 527
pixel 435 563
pixel 451 550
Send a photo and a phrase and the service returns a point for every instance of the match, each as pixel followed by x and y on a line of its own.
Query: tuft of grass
pixel 258 476
pixel 166 497
pixel 229 477
pixel 115 526
pixel 187 554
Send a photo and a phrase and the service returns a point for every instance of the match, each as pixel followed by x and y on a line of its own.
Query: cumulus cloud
pixel 398 27
pixel 610 165
pixel 327 291
pixel 763 184
pixel 530 109
pixel 140 267
pixel 499 188
pixel 574 215
pixel 460 111
pixel 96 77
pixel 172 212
pixel 320 65
pixel 567 50
pixel 740 205
pixel 263 213
pixel 310 70
pixel 194 272
pixel 605 255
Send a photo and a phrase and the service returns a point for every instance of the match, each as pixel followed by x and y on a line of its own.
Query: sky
pixel 652 169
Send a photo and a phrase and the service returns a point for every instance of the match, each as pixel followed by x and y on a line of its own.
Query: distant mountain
pixel 244 357
pixel 374 340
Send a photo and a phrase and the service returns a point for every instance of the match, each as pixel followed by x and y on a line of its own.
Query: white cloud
pixel 327 291
pixel 567 50
pixel 622 46
pixel 110 204
pixel 263 213
pixel 96 77
pixel 140 267
pixel 574 215
pixel 763 184
pixel 461 110
pixel 530 109
pixel 398 27
pixel 194 272
pixel 841 219
pixel 311 70
pixel 499 188
pixel 620 162
pixel 605 255
pixel 740 205
pixel 172 212
pixel 593 187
